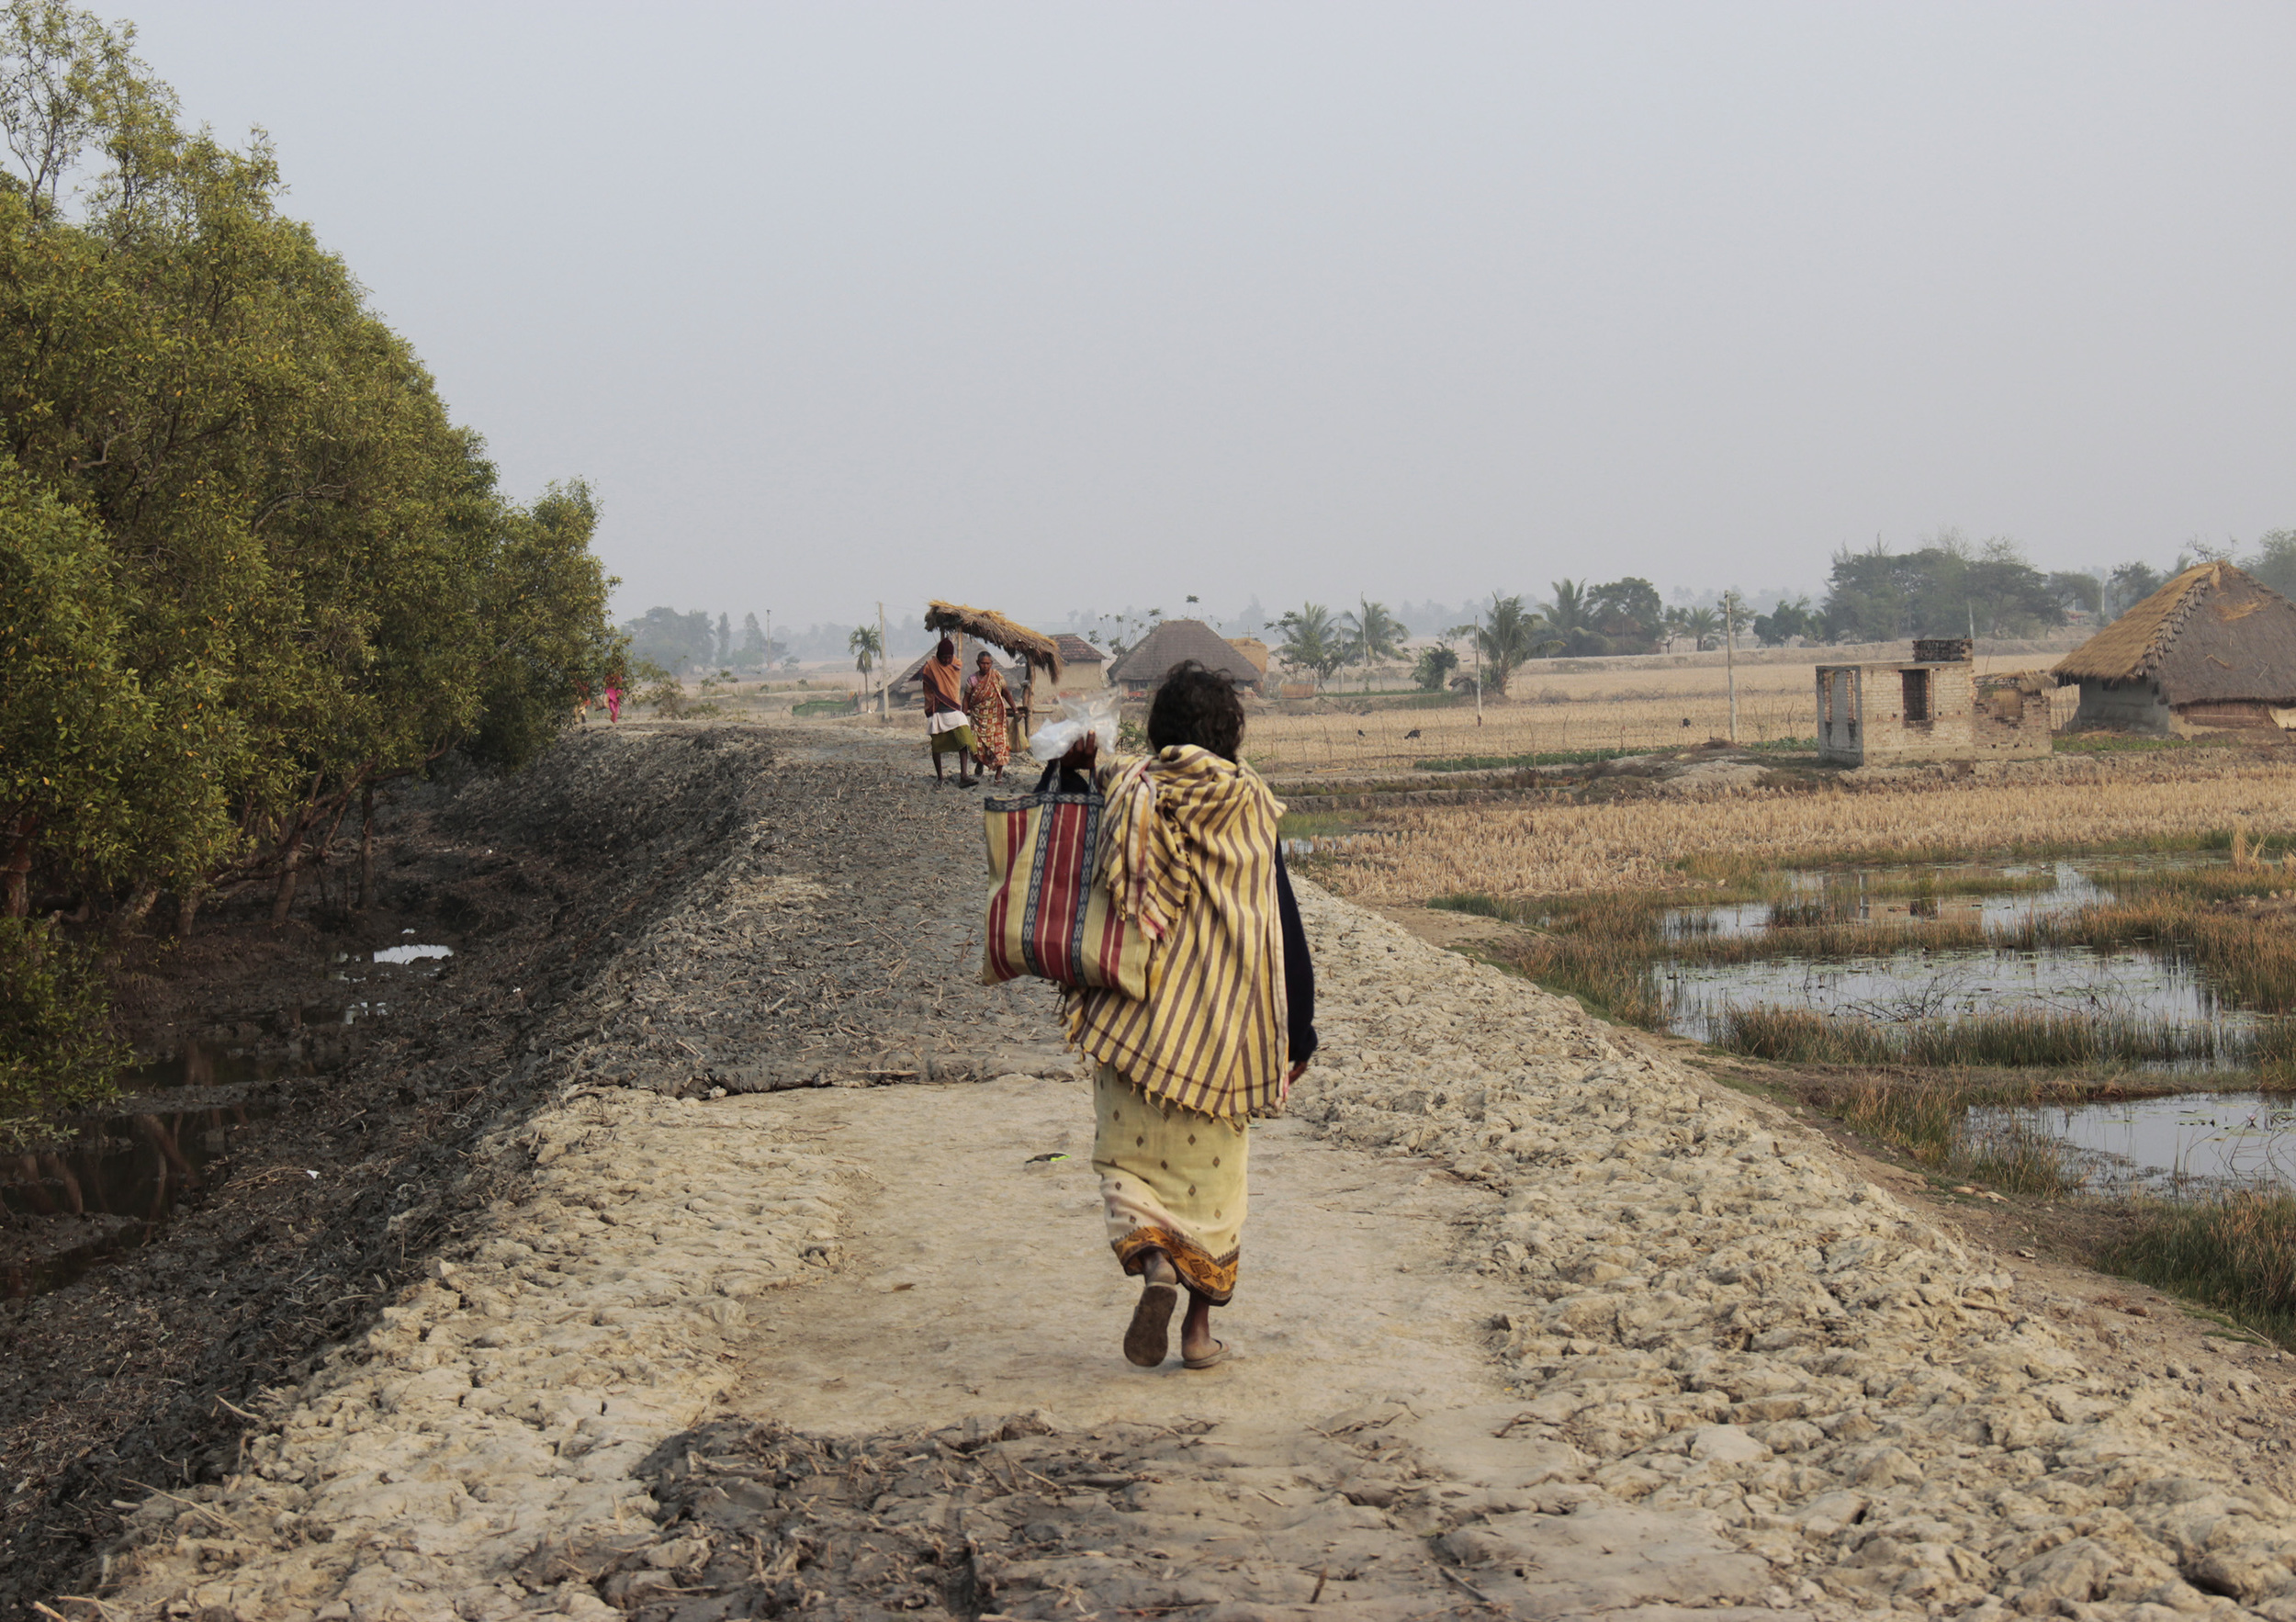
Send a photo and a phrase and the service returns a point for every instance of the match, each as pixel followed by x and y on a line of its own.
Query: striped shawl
pixel 1188 851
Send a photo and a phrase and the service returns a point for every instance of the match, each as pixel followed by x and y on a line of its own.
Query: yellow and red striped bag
pixel 1046 916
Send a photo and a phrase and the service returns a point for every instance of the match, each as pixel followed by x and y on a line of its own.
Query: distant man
pixel 945 720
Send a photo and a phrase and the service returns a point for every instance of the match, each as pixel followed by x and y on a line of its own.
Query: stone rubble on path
pixel 511 1398
pixel 1715 1318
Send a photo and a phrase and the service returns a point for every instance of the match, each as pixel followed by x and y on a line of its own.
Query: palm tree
pixel 1676 624
pixel 1373 633
pixel 865 648
pixel 1509 635
pixel 1702 625
pixel 1310 642
pixel 1570 622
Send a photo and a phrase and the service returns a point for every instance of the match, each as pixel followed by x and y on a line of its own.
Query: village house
pixel 1142 670
pixel 2213 649
pixel 1084 668
pixel 1933 708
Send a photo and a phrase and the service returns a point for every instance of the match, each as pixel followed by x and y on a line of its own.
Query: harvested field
pixel 1556 848
pixel 1568 710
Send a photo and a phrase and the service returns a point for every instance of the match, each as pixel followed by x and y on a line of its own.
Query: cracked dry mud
pixel 1533 1321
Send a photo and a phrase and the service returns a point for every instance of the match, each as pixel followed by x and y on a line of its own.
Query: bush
pixel 57 1050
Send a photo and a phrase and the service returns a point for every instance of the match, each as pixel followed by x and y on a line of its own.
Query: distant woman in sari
pixel 989 703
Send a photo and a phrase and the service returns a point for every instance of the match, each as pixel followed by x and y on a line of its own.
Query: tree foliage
pixel 1313 640
pixel 249 566
pixel 1371 633
pixel 1944 588
pixel 1508 634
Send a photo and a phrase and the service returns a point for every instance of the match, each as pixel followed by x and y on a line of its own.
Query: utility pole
pixel 884 703
pixel 1730 653
pixel 768 645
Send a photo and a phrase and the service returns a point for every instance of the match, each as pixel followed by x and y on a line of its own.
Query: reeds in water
pixel 2237 1252
pixel 2013 1038
pixel 1929 1118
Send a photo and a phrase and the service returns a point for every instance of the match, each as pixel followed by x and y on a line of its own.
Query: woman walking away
pixel 989 703
pixel 1189 853
pixel 945 720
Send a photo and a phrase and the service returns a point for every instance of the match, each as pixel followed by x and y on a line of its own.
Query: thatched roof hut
pixel 1143 668
pixel 2215 647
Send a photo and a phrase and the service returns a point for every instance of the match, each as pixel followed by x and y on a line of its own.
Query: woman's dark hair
pixel 1199 706
pixel 946 651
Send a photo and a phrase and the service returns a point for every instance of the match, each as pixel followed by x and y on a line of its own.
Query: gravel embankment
pixel 1715 1316
pixel 1748 1381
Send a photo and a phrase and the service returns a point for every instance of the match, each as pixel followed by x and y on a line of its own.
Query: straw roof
pixel 2214 634
pixel 985 625
pixel 1176 640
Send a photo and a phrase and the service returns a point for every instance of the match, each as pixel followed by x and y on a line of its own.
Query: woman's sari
pixel 986 701
pixel 1188 853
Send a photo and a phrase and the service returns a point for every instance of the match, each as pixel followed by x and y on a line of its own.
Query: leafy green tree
pixel 1627 616
pixel 753 651
pixel 2131 584
pixel 1371 633
pixel 2275 561
pixel 1785 622
pixel 1313 640
pixel 677 642
pixel 249 566
pixel 1943 588
pixel 1434 667
pixel 2077 590
pixel 1571 628
pixel 1509 635
pixel 866 648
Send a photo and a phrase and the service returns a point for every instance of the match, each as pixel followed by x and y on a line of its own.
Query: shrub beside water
pixel 57 1050
pixel 2237 1253
pixel 1928 1117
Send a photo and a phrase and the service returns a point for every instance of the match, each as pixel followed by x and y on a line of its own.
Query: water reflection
pixel 1902 987
pixel 2192 1143
pixel 135 1167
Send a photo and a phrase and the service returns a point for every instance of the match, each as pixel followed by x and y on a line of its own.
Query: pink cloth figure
pixel 613 702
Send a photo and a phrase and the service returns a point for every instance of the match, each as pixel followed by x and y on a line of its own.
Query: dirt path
pixel 1535 1320
pixel 975 1277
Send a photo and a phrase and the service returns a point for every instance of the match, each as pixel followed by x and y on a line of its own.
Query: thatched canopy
pixel 2213 635
pixel 986 625
pixel 1174 640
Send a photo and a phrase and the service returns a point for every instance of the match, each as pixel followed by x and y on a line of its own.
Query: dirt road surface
pixel 775 1305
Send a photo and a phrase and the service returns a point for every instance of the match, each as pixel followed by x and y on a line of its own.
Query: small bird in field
pixel 1412 733
pixel 1358 732
pixel 1685 720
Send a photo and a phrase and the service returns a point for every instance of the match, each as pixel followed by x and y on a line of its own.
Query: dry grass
pixel 2237 1253
pixel 1553 711
pixel 1565 849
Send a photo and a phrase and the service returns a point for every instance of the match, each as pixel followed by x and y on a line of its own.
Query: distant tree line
pixel 681 643
pixel 249 569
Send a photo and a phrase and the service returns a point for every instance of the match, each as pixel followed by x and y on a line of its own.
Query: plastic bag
pixel 1094 712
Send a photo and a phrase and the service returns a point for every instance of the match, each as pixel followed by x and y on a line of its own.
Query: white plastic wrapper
pixel 1095 714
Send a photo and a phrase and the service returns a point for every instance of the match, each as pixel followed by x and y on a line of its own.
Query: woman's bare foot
pixel 1196 1342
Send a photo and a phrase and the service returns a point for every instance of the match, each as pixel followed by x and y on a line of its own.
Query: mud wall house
pixel 1933 708
pixel 1084 668
pixel 1142 671
pixel 2213 649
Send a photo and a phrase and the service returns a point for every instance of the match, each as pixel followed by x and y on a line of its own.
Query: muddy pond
pixel 116 1181
pixel 2187 1023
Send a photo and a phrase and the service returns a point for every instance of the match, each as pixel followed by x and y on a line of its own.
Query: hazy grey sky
pixel 1081 305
